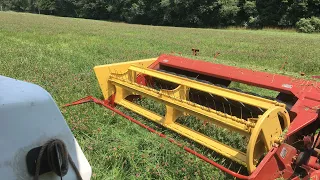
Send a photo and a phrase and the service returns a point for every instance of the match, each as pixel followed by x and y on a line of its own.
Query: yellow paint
pixel 230 94
pixel 239 125
pixel 103 72
pixel 221 148
pixel 263 131
pixel 269 128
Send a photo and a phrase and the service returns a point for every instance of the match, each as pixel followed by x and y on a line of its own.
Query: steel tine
pixel 239 169
pixel 230 165
pixel 214 104
pixel 148 81
pixel 224 109
pixel 230 110
pixel 199 100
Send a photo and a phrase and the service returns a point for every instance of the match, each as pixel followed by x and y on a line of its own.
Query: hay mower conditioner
pixel 280 132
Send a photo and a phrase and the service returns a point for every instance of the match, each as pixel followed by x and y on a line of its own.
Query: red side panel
pixel 277 163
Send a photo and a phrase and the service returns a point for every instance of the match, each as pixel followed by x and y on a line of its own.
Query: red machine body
pixel 305 93
pixel 301 96
pixel 303 103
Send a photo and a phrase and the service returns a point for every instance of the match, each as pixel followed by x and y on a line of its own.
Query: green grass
pixel 59 54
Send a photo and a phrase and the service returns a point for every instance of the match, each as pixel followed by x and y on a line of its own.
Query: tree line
pixel 185 13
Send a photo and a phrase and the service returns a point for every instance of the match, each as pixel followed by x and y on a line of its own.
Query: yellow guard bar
pixel 263 133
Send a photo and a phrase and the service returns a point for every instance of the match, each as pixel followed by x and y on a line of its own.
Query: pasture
pixel 59 54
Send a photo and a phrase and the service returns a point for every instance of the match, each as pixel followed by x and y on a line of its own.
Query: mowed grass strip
pixel 59 54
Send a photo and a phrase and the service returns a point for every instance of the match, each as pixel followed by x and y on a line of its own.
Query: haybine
pixel 281 132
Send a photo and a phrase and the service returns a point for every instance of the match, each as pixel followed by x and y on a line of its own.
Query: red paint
pixel 141 79
pixel 275 165
pixel 234 174
pixel 313 162
pixel 315 175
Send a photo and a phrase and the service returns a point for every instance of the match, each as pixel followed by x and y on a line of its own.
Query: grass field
pixel 59 54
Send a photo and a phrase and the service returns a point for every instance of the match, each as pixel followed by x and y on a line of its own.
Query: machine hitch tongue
pixel 200 89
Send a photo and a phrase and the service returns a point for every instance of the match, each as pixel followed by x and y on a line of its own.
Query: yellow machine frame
pixel 263 131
